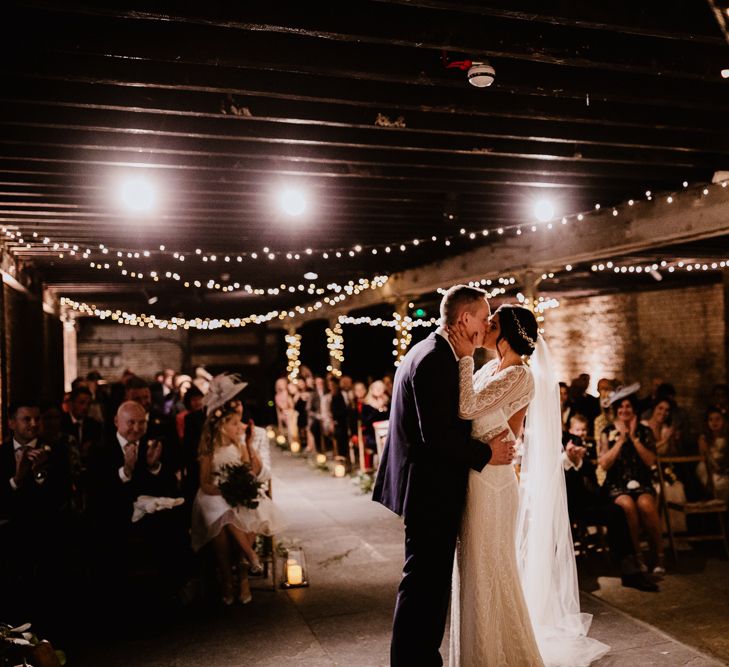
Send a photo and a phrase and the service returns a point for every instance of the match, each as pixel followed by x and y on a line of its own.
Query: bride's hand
pixel 463 345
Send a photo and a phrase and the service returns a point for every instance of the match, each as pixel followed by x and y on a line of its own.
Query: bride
pixel 515 597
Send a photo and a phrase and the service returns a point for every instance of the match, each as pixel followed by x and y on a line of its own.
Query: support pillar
pixel 293 349
pixel 70 352
pixel 335 345
pixel 403 325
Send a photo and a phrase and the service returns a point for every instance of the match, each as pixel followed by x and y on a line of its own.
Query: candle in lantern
pixel 281 439
pixel 321 459
pixel 295 446
pixel 271 433
pixel 294 575
pixel 339 470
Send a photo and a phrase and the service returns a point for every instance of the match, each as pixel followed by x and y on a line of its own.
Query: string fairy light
pixel 152 321
pixel 68 249
pixel 670 266
pixel 293 342
pixel 335 345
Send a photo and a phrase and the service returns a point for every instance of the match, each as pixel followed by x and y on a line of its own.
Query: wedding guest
pixel 587 505
pixel 314 412
pixel 720 398
pixel 583 403
pixel 99 408
pixel 345 387
pixel 285 412
pixel 213 519
pixel 121 468
pixel 388 380
pixel 626 452
pixel 565 404
pixel 713 445
pixel 683 434
pixel 605 387
pixel 376 408
pixel 646 403
pixel 659 422
pixel 339 418
pixel 300 402
pixel 35 490
pixel 160 427
pixel 77 424
pixel 193 419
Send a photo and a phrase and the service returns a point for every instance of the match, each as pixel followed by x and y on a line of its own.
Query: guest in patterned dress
pixel 627 452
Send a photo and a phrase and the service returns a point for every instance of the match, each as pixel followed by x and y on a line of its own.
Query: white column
pixel 70 356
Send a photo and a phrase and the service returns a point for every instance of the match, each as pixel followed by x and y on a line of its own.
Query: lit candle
pixel 295 446
pixel 281 439
pixel 339 470
pixel 321 459
pixel 294 575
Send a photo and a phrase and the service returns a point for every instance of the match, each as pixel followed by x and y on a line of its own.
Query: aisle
pixel 354 550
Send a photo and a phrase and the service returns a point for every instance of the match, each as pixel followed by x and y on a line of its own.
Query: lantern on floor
pixel 295 574
pixel 295 447
pixel 281 439
pixel 321 459
pixel 340 470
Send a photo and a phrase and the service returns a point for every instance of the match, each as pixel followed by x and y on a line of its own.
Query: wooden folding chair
pixel 268 557
pixel 711 505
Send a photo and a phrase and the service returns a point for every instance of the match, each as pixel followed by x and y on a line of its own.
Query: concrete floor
pixel 354 552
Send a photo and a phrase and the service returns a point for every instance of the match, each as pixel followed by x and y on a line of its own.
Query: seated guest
pixel 586 504
pixel 301 399
pixel 659 422
pixel 565 404
pixel 193 423
pixel 77 424
pixel 626 452
pixel 376 408
pixel 213 519
pixel 160 426
pixel 583 403
pixel 120 469
pixel 713 445
pixel 314 410
pixel 605 387
pixel 35 490
pixel 720 398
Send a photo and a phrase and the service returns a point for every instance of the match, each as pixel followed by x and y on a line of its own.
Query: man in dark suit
pixel 586 504
pixel 120 469
pixel 35 490
pixel 77 424
pixel 424 473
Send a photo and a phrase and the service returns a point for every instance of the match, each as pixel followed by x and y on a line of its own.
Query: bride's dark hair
pixel 518 327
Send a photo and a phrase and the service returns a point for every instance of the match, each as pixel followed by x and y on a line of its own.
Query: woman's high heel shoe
pixel 227 598
pixel 244 597
pixel 255 566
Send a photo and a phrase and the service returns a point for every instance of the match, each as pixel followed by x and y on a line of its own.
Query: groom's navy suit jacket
pixel 424 467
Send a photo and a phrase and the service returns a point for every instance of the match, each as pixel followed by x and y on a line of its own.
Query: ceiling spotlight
pixel 137 194
pixel 310 275
pixel 543 210
pixel 293 202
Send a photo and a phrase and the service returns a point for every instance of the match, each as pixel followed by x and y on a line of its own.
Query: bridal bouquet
pixel 239 486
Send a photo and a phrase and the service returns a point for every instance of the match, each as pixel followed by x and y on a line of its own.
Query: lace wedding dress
pixel 515 596
pixel 490 624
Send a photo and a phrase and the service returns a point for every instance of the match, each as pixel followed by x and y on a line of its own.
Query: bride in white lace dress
pixel 493 623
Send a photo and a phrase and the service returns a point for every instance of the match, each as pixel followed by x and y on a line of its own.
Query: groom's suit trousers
pixel 424 592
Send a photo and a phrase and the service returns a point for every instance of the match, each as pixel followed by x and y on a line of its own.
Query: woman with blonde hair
pixel 226 441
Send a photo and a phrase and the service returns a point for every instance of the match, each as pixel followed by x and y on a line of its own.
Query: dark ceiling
pixel 223 103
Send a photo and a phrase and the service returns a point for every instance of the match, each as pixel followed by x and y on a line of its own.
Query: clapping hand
pixel 463 344
pixel 575 453
pixel 130 458
pixel 154 453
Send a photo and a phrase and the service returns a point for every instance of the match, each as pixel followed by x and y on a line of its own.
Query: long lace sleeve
pixel 509 390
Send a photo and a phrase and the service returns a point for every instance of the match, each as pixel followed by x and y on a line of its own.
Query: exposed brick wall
pixel 110 348
pixel 677 334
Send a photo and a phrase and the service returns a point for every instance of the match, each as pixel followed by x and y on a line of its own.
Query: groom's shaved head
pixel 459 298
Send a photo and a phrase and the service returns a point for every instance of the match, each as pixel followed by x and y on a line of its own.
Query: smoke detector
pixel 481 75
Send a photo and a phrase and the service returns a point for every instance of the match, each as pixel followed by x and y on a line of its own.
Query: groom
pixel 424 474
